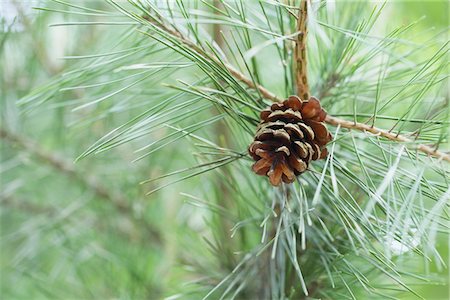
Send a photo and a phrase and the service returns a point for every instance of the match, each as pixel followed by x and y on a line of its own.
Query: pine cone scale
pixel 307 131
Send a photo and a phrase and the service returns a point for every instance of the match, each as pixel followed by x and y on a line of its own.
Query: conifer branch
pixel 342 231
pixel 301 72
pixel 236 73
pixel 117 200
pixel 25 206
pixel 31 209
pixel 388 135
pixel 265 93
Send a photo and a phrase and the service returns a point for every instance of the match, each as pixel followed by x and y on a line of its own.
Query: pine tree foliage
pixel 346 229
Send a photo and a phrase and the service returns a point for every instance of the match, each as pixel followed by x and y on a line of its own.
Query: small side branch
pixel 236 73
pixel 388 135
pixel 301 78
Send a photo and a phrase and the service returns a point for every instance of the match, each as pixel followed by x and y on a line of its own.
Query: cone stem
pixel 301 72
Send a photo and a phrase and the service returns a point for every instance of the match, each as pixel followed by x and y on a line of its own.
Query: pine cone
pixel 289 136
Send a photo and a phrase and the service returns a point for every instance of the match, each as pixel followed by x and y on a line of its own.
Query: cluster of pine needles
pixel 125 171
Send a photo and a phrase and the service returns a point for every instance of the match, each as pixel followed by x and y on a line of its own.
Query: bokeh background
pixel 86 230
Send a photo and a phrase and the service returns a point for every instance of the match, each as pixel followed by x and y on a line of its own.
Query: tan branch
pixel 271 96
pixel 32 209
pixel 26 206
pixel 119 201
pixel 236 73
pixel 301 78
pixel 388 135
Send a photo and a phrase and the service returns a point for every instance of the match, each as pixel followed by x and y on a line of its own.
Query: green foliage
pixel 143 95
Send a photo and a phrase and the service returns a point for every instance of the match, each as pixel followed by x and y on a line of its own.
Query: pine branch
pixel 31 210
pixel 301 72
pixel 265 93
pixel 236 73
pixel 25 206
pixel 117 200
pixel 388 135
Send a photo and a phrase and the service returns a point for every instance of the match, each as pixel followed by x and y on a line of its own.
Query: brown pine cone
pixel 290 135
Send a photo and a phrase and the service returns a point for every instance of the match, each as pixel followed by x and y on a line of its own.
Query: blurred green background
pixel 86 230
